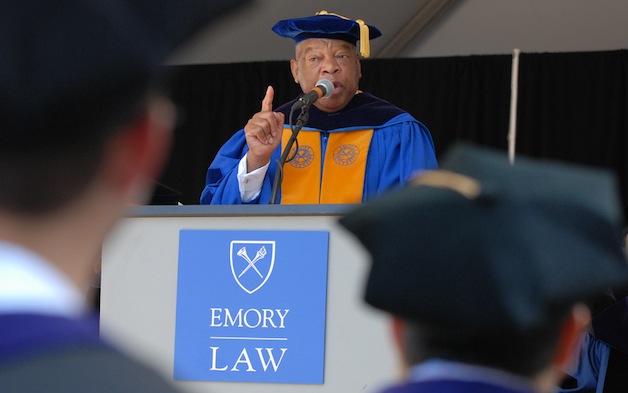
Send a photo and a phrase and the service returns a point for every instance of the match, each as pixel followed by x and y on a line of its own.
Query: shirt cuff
pixel 250 184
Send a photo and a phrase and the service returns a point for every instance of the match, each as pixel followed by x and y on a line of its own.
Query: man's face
pixel 335 60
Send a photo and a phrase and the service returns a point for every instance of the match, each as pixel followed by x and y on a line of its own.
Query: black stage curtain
pixel 571 106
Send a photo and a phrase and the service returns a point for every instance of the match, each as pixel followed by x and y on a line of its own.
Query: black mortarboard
pixel 329 25
pixel 70 63
pixel 484 245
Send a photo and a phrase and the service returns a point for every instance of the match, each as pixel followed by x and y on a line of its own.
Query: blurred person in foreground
pixel 84 130
pixel 354 145
pixel 485 268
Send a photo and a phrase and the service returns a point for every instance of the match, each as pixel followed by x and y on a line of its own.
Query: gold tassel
pixel 365 47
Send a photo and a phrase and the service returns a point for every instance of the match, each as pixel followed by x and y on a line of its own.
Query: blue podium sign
pixel 251 306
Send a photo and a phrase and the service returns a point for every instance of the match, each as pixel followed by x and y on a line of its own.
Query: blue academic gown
pixel 589 371
pixel 400 147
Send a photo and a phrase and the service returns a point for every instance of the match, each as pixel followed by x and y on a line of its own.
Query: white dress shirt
pixel 250 183
pixel 28 284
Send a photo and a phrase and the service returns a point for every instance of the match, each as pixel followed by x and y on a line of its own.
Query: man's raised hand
pixel 263 132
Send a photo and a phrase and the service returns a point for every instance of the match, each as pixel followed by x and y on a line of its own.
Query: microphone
pixel 323 88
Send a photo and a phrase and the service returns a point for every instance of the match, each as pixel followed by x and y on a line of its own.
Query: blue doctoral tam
pixel 331 26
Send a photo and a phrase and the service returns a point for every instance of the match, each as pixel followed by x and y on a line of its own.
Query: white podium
pixel 139 290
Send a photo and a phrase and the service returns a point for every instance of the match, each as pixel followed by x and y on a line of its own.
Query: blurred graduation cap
pixel 485 245
pixel 329 25
pixel 67 64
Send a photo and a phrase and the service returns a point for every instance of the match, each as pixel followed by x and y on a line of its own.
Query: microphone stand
pixel 301 121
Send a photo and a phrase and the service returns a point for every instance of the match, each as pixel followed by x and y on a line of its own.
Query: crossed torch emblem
pixel 261 253
pixel 252 282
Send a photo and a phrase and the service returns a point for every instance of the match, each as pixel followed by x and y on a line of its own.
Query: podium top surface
pixel 237 210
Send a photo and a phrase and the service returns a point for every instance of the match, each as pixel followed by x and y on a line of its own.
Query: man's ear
pixel 577 322
pixel 359 68
pixel 137 155
pixel 294 68
pixel 398 328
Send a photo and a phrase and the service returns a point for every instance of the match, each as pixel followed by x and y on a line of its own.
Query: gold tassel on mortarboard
pixel 365 47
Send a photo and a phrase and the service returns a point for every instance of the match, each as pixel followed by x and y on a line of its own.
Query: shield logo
pixel 252 262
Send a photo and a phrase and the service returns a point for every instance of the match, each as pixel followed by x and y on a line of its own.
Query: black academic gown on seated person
pixel 54 354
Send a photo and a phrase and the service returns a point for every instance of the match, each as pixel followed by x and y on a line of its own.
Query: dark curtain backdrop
pixel 571 106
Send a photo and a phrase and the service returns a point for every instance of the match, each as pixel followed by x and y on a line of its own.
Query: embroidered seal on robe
pixel 338 177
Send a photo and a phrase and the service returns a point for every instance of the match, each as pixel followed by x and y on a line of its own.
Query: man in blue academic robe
pixel 353 145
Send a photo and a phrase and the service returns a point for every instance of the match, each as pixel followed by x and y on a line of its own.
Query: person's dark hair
pixel 39 177
pixel 524 353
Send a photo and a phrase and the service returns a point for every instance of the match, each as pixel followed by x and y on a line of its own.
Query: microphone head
pixel 326 86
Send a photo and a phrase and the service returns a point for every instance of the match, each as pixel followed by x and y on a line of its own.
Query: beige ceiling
pixel 246 34
pixel 423 28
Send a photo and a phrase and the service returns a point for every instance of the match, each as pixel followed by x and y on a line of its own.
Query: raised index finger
pixel 267 102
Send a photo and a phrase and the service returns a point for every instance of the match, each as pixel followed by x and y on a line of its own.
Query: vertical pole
pixel 512 129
